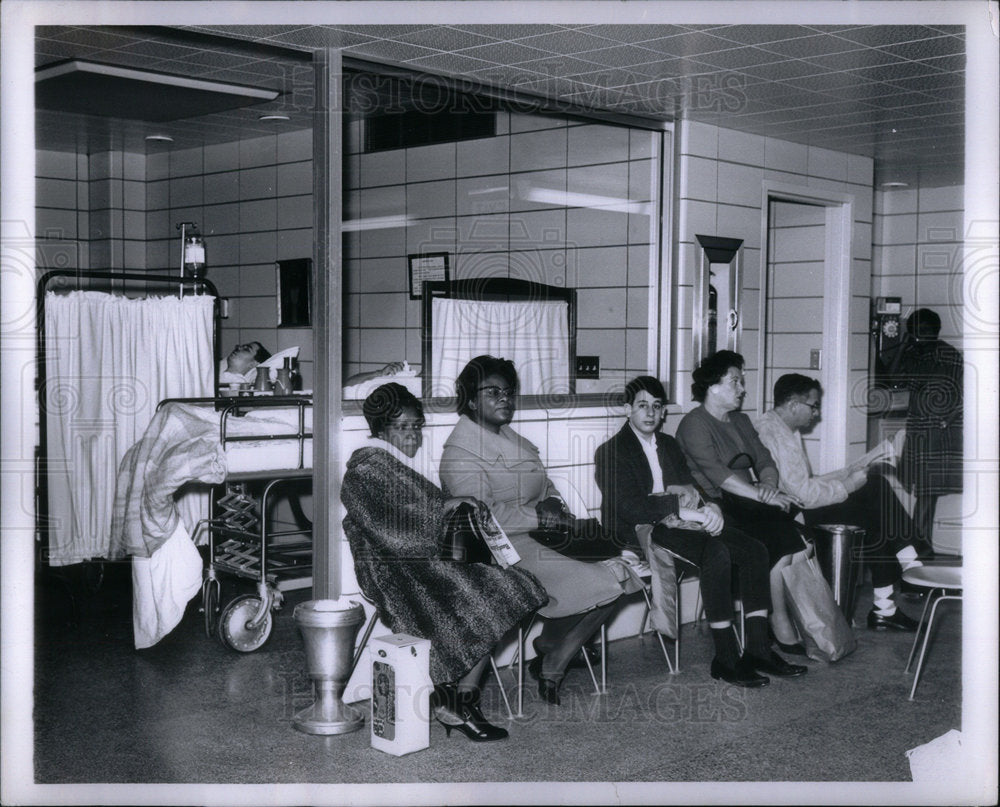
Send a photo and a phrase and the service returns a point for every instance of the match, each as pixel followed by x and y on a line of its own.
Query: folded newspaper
pixel 884 452
pixel 496 539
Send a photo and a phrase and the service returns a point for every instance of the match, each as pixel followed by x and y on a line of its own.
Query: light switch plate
pixel 815 359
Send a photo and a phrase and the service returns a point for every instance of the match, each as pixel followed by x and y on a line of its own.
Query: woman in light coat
pixel 486 459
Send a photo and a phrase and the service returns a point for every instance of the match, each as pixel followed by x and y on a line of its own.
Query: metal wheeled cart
pixel 242 543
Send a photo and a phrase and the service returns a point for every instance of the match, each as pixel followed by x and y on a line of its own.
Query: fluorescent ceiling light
pixel 567 199
pixel 92 88
pixel 375 223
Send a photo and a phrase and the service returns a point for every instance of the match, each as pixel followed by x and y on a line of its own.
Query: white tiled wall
pixel 547 199
pixel 252 201
pixel 918 237
pixel 721 176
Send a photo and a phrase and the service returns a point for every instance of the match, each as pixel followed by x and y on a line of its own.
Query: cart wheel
pixel 210 604
pixel 233 630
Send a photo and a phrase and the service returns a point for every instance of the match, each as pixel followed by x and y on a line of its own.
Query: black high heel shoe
pixel 548 689
pixel 460 710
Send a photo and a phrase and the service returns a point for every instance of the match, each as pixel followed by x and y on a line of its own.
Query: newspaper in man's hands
pixel 884 452
pixel 496 539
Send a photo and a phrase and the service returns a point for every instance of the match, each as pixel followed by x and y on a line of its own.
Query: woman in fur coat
pixel 395 519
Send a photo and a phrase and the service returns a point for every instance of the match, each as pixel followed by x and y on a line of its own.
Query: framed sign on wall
pixel 426 266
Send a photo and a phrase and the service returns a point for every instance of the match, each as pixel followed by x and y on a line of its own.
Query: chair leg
pixel 604 658
pixel 590 667
pixel 921 625
pixel 360 648
pixel 503 691
pixel 520 671
pixel 927 636
pixel 741 634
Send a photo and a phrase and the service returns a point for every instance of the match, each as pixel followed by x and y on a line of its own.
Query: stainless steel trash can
pixel 838 550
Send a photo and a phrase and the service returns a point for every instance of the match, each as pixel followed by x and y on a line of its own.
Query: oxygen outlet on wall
pixel 815 359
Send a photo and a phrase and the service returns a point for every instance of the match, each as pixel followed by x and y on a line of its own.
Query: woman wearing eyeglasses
pixel 486 459
pixel 395 519
pixel 732 467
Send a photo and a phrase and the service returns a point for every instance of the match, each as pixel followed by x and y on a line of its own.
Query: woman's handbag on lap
pixel 462 540
pixel 825 632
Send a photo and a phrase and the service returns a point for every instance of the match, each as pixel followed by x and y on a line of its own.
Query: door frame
pixel 837 275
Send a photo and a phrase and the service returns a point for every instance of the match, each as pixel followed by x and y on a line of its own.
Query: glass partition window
pixel 516 193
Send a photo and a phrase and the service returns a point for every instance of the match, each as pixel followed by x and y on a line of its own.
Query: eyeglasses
pixel 498 392
pixel 814 406
pixel 405 426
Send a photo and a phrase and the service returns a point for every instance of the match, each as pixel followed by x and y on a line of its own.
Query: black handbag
pixel 582 539
pixel 462 540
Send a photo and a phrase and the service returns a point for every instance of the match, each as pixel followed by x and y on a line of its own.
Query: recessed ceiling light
pixel 273 117
pixel 160 138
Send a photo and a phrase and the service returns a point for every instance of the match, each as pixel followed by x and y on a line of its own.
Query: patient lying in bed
pixel 241 364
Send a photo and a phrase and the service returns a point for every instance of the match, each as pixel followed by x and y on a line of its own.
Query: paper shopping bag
pixel 821 624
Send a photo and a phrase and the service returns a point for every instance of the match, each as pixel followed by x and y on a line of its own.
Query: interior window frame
pixel 662 344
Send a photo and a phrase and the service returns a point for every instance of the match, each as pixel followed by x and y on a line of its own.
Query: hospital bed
pixel 267 442
pixel 251 451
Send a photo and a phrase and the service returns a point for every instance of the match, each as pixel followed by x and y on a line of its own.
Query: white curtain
pixel 108 361
pixel 533 335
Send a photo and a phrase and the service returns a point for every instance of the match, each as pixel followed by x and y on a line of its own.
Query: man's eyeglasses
pixel 496 393
pixel 814 406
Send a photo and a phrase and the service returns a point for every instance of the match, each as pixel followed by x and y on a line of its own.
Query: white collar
pixel 419 464
pixel 648 440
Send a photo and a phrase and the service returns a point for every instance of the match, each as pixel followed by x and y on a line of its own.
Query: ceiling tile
pixel 783 71
pixel 453 63
pixel 739 58
pixel 852 60
pixel 691 43
pixel 878 35
pixel 622 56
pixel 391 50
pixel 563 41
pixel 927 48
pixel 843 85
pixel 321 36
pixel 894 72
pixel 633 34
pixel 933 82
pixel 446 39
pixel 809 46
pixel 759 34
pixel 823 85
pixel 509 32
pixel 561 66
pixel 504 53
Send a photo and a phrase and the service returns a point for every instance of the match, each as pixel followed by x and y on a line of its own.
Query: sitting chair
pixel 942 579
pixel 662 591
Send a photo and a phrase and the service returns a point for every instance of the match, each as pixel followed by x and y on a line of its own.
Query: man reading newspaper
pixel 858 495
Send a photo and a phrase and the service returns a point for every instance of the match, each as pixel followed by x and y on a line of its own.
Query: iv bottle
pixel 194 256
pixel 283 382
